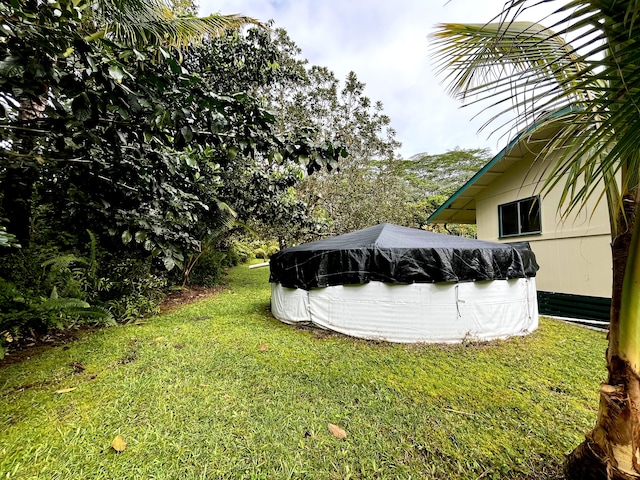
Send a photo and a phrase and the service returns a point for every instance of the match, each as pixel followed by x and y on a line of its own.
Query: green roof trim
pixel 473 179
pixel 498 157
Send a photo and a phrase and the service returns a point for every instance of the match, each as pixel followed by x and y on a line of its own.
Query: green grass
pixel 195 397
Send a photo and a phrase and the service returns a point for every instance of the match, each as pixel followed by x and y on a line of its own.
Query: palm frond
pixel 519 60
pixel 152 22
pixel 524 70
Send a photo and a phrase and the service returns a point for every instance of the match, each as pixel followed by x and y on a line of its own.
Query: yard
pixel 220 389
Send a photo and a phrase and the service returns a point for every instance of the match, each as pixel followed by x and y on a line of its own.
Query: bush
pixel 265 249
pixel 233 257
pixel 135 290
pixel 23 268
pixel 210 268
pixel 21 315
pixel 55 288
pixel 12 308
pixel 243 250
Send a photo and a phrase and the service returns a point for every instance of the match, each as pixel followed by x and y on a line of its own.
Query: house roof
pixel 461 206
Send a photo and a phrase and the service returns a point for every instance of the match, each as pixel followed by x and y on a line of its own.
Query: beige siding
pixel 573 254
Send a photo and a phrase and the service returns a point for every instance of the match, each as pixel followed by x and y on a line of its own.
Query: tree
pixel 443 173
pixel 182 7
pixel 593 88
pixel 364 190
pixel 44 48
pixel 126 149
pixel 168 23
pixel 262 189
pixel 437 177
pixel 127 140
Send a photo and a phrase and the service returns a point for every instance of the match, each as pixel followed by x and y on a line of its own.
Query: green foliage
pixel 209 269
pixel 233 256
pixel 132 144
pixel 21 314
pixel 444 173
pixel 64 274
pixel 56 290
pixel 364 190
pixel 264 249
pixel 8 239
pixel 371 185
pixel 243 250
pixel 12 303
pixel 136 291
pixel 214 262
pixel 147 147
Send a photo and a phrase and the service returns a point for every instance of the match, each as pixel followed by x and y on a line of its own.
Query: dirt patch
pixel 188 295
pixel 36 344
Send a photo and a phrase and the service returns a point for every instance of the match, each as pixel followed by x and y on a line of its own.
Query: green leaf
pixel 81 107
pixel 126 237
pixel 169 263
pixel 232 152
pixel 116 73
pixel 187 134
pixel 175 66
pixel 140 236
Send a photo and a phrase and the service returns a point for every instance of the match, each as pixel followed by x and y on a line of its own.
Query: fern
pixel 92 264
pixel 65 304
pixel 97 313
pixel 63 262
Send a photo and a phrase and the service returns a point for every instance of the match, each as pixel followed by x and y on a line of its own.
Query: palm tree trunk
pixel 612 449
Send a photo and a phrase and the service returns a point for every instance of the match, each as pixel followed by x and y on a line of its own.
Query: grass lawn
pixel 220 389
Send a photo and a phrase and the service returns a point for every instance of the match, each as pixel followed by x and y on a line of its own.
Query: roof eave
pixel 437 216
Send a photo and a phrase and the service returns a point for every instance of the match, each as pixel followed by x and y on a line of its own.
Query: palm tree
pixel 592 86
pixel 153 22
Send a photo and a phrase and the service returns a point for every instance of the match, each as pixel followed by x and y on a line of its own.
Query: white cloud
pixel 385 44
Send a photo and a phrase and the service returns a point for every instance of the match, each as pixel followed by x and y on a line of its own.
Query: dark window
pixel 520 218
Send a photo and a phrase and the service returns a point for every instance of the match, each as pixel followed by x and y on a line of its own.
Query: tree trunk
pixel 17 192
pixel 19 179
pixel 611 450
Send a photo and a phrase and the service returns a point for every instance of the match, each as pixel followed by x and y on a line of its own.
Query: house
pixel 503 199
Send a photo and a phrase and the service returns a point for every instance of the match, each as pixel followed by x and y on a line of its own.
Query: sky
pixel 386 44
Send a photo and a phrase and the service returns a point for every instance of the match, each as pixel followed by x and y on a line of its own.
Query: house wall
pixel 573 253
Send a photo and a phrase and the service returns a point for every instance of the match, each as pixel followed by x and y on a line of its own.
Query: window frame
pixel 518 204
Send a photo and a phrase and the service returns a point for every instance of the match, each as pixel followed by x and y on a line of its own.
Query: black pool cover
pixel 392 254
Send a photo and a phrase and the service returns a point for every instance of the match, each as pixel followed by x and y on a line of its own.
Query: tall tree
pixel 593 88
pixel 261 189
pixel 443 173
pixel 40 44
pixel 131 142
pixel 435 178
pixel 365 189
